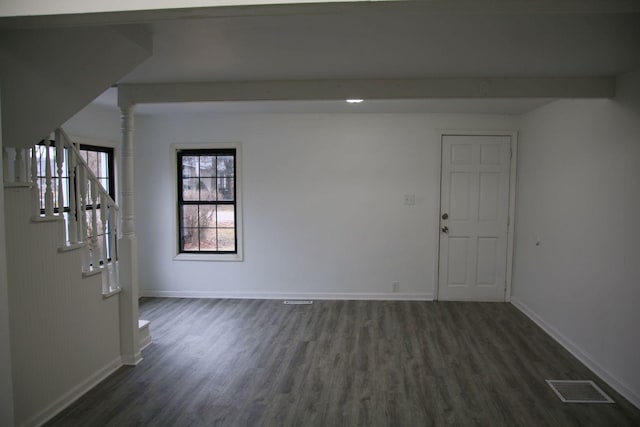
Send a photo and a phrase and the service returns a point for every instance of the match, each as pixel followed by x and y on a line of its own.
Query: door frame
pixel 512 203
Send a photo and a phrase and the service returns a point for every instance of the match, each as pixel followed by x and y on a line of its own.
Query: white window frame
pixel 177 255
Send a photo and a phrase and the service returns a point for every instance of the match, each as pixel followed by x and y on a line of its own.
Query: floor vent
pixel 298 301
pixel 579 392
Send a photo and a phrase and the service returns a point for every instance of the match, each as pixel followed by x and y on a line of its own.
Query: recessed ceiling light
pixel 354 101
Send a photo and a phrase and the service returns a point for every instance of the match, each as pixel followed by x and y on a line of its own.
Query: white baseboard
pixel 74 394
pixel 289 295
pixel 132 359
pixel 579 354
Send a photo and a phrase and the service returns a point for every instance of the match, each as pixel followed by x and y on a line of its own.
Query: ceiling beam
pixel 153 93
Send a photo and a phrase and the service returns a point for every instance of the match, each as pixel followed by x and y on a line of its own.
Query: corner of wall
pixel 6 380
pixel 576 228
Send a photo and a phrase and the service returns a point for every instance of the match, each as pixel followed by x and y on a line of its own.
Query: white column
pixel 128 249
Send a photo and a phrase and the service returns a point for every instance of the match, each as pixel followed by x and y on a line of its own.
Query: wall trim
pixel 74 394
pixel 382 296
pixel 176 255
pixel 614 382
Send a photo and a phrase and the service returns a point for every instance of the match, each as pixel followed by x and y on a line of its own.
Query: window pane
pixel 208 178
pixel 190 216
pixel 65 191
pixel 105 183
pixel 88 222
pixel 225 166
pixel 104 165
pixel 92 161
pixel 100 230
pixel 98 251
pixel 98 162
pixel 207 216
pixel 190 189
pixel 226 239
pixel 190 239
pixel 226 216
pixel 226 187
pixel 208 189
pixel 190 166
pixel 208 239
pixel 207 166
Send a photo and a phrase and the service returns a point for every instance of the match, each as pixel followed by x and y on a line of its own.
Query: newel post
pixel 128 248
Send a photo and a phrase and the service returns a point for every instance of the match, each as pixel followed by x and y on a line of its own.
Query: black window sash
pixel 110 170
pixel 181 202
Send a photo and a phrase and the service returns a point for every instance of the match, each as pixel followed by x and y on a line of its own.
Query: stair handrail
pixel 99 258
pixel 89 218
pixel 92 177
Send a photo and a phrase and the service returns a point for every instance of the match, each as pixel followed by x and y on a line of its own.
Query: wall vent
pixel 298 301
pixel 579 392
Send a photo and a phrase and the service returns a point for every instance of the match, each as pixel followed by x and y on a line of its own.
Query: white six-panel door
pixel 474 212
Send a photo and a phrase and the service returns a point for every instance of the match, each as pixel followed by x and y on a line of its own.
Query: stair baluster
pixel 106 283
pixel 60 184
pixel 93 218
pixel 82 215
pixel 59 165
pixel 35 191
pixel 72 220
pixel 48 195
pixel 95 253
pixel 113 248
pixel 19 166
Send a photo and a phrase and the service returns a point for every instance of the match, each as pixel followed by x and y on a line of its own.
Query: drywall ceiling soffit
pixel 504 106
pixel 310 90
pixel 389 106
pixel 37 67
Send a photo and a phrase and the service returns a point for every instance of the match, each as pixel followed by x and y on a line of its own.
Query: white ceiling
pixel 394 41
pixel 399 43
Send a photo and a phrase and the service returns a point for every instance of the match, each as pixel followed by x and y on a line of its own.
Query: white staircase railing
pixel 65 188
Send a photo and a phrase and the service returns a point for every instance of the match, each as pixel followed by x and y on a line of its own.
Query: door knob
pixel 445 229
pixel 445 216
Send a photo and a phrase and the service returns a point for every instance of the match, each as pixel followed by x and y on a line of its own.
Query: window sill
pixel 208 257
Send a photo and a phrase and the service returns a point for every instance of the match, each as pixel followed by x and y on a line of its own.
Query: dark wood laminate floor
pixel 342 363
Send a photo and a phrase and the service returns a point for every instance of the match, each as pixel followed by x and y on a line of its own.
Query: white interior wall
pixel 578 187
pixel 577 177
pixel 64 334
pixel 323 204
pixel 95 122
pixel 6 380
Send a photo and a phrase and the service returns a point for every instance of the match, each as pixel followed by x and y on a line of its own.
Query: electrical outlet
pixel 396 286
